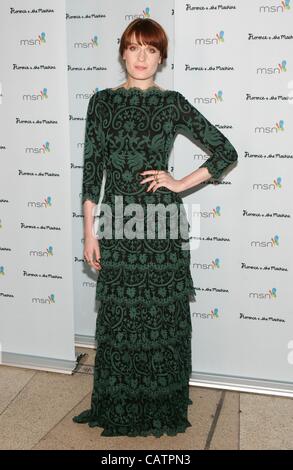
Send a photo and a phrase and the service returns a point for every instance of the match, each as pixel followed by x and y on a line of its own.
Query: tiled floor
pixel 36 410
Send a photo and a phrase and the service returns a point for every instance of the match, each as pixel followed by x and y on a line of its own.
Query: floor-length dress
pixel 143 328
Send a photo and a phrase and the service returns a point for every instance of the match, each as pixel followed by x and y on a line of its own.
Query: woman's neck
pixel 139 84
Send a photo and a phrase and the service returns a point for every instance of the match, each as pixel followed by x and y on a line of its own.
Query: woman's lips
pixel 139 67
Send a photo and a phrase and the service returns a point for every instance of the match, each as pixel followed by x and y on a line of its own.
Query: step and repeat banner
pixel 36 290
pixel 232 62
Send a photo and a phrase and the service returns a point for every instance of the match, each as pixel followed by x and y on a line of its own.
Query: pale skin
pixel 149 57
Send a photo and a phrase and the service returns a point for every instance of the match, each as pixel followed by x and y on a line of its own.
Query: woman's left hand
pixel 164 179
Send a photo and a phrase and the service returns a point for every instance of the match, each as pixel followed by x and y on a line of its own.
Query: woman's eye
pixel 133 48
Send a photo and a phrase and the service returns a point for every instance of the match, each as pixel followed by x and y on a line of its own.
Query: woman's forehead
pixel 133 39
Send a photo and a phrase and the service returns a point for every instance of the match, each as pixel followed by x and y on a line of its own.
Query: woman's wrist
pixel 193 179
pixel 180 185
pixel 89 235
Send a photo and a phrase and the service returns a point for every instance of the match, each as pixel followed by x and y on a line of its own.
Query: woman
pixel 143 330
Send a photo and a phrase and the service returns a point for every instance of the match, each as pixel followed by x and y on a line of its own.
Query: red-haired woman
pixel 143 329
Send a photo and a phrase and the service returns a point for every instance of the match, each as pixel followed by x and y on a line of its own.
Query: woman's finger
pixel 97 261
pixel 150 178
pixel 155 174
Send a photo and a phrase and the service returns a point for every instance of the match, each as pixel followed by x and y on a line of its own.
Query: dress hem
pixel 86 418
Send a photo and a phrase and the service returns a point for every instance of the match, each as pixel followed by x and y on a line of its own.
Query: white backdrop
pixel 233 64
pixel 229 63
pixel 36 295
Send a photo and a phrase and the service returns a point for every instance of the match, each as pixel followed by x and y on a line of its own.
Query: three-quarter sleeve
pixel 189 120
pixel 93 153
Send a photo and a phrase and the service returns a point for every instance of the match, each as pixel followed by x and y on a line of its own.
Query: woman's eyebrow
pixel 137 44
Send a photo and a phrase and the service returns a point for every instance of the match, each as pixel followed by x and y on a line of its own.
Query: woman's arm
pixel 189 120
pixel 92 180
pixel 88 220
pixel 93 153
pixel 193 179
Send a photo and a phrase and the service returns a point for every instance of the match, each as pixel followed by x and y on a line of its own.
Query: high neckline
pixel 136 89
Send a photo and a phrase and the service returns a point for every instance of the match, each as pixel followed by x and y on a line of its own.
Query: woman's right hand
pixel 91 252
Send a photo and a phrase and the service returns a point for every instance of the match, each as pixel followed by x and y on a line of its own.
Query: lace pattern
pixel 143 328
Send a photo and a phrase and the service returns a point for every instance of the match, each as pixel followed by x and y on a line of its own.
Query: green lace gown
pixel 143 327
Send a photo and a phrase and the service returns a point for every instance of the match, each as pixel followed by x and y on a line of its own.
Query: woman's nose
pixel 141 54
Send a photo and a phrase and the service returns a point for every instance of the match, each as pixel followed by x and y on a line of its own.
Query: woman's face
pixel 141 60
